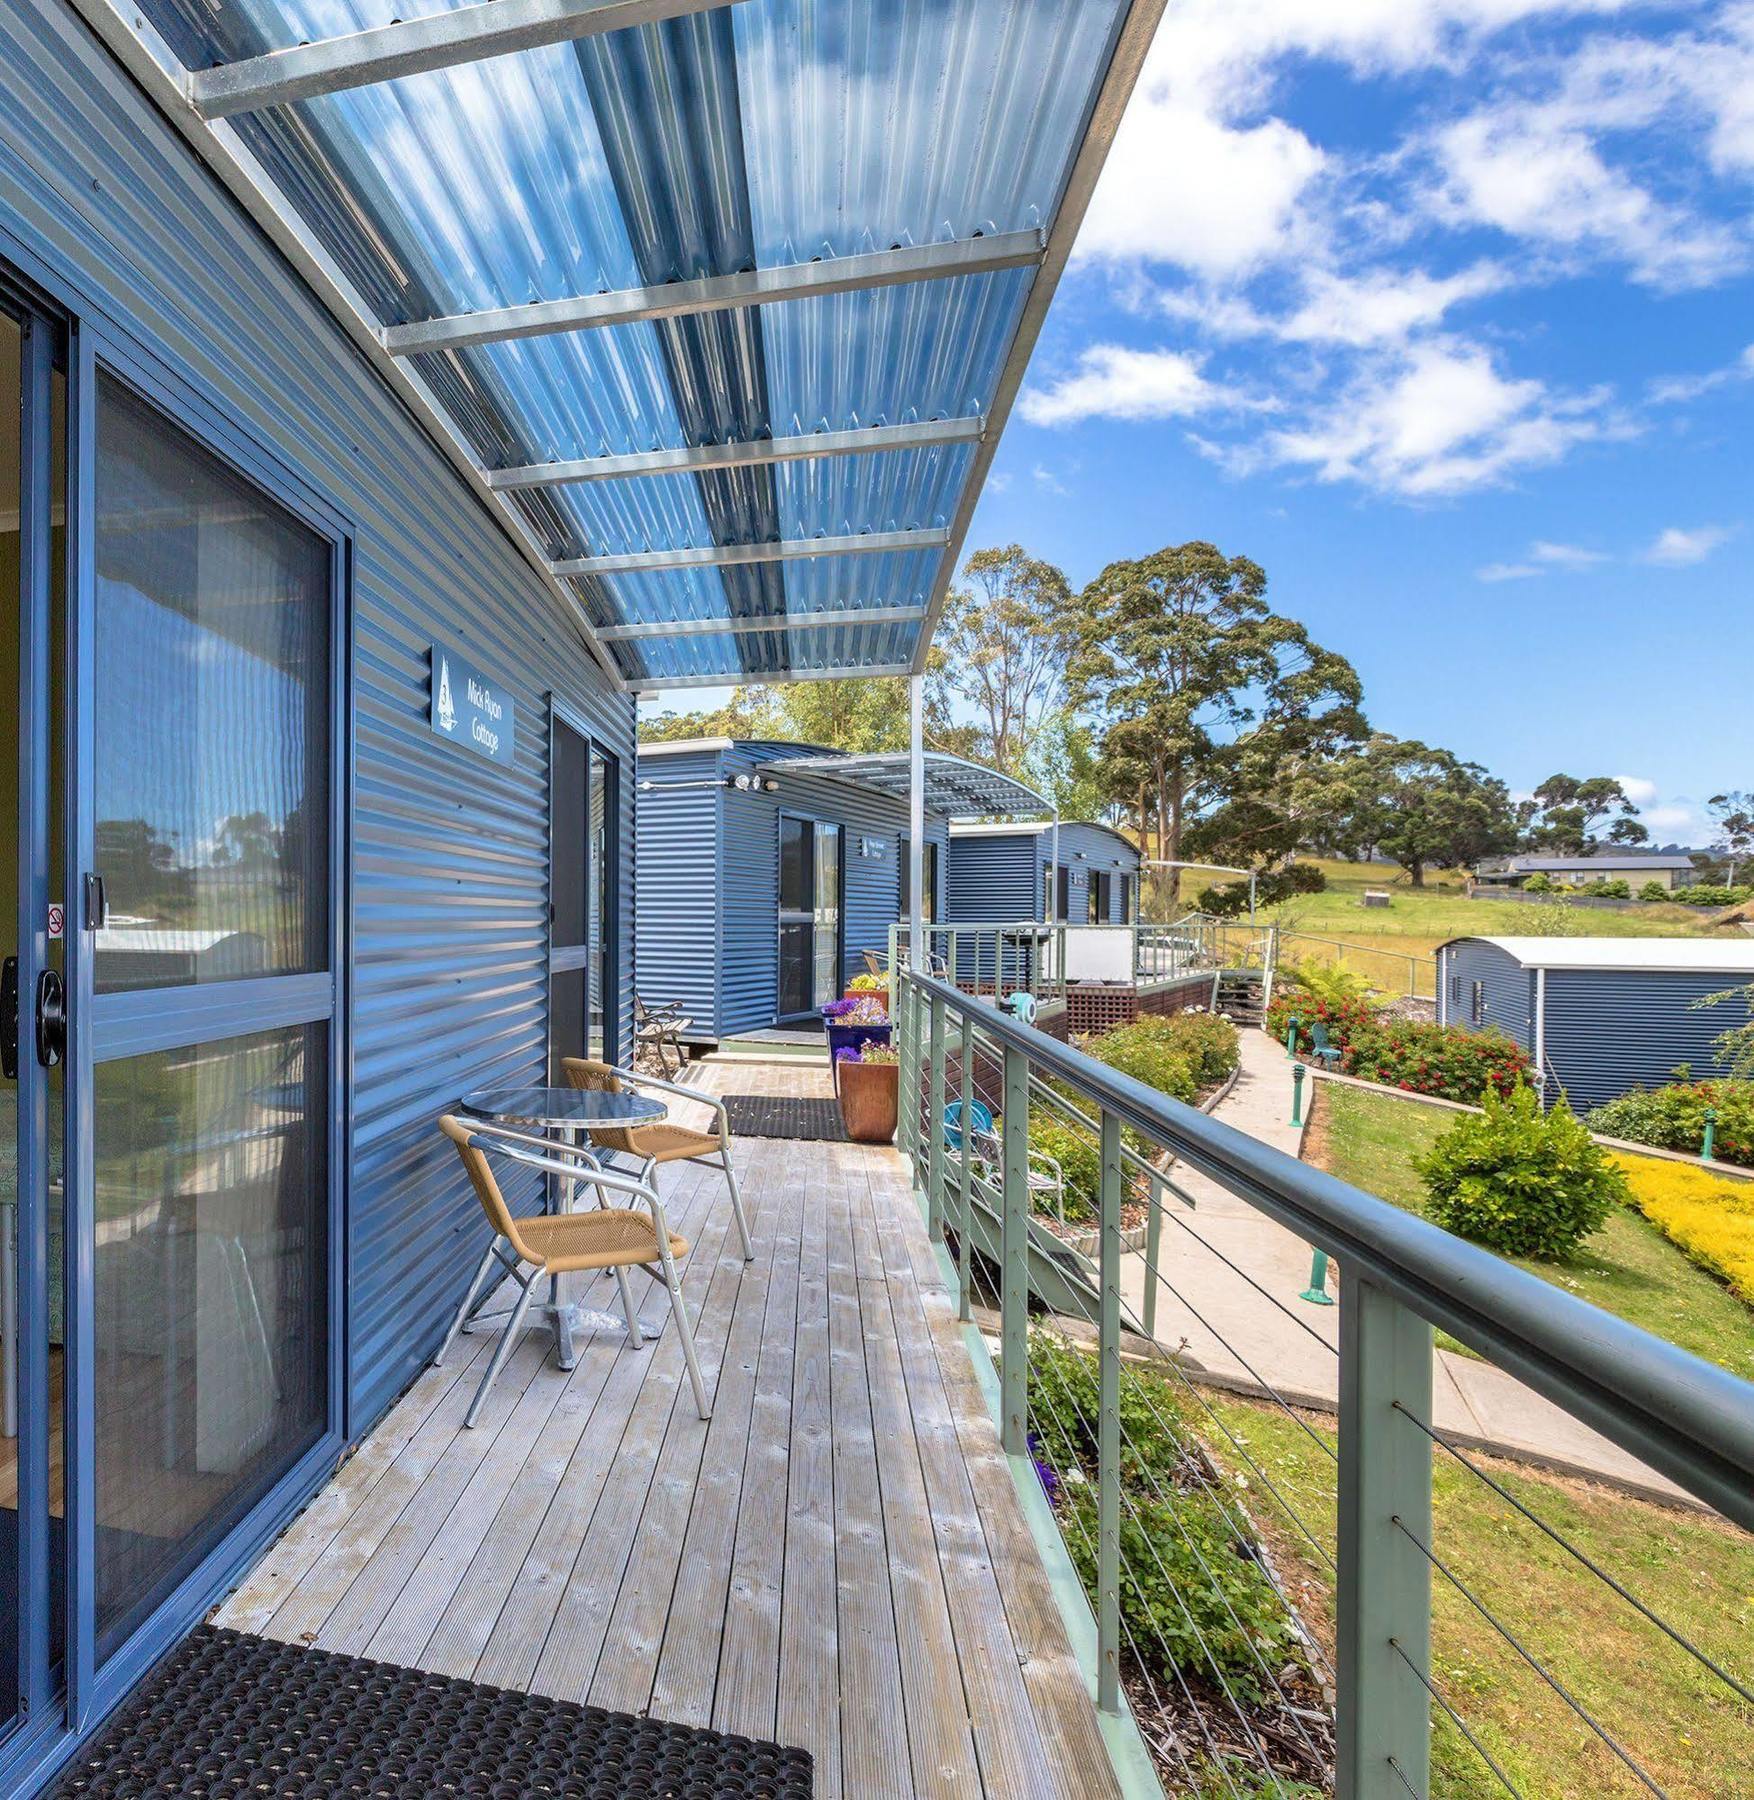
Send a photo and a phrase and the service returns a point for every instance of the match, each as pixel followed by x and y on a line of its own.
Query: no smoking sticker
pixel 57 922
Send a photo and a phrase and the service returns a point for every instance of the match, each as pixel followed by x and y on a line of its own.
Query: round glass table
pixel 569 1113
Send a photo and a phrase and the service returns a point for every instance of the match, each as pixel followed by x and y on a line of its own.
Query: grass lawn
pixel 1417 921
pixel 1690 1731
pixel 1628 1268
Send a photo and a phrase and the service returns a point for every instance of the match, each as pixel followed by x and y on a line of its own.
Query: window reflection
pixel 209 1298
pixel 212 727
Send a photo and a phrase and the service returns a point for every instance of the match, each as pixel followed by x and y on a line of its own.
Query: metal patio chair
pixel 987 1152
pixel 659 1029
pixel 547 1245
pixel 652 1145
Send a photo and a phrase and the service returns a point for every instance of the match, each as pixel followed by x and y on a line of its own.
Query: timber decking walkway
pixel 1230 1329
pixel 837 1560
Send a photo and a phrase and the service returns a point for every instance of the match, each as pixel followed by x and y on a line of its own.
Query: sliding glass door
pixel 809 916
pixel 33 1436
pixel 582 802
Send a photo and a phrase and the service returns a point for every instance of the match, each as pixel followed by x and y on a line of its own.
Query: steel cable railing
pixel 1263 1593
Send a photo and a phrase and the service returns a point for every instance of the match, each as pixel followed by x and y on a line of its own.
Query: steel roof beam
pixel 661 684
pixel 809 621
pixel 862 441
pixel 721 293
pixel 720 556
pixel 414 46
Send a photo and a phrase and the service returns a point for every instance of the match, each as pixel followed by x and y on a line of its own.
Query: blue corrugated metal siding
pixel 676 906
pixel 998 875
pixel 749 953
pixel 449 851
pixel 993 876
pixel 1509 990
pixel 1609 1030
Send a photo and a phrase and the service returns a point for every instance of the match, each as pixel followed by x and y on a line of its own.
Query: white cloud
pixel 1184 186
pixel 1440 419
pixel 1677 548
pixel 1384 305
pixel 1637 788
pixel 1673 389
pixel 1536 173
pixel 1045 479
pixel 1506 572
pixel 1679 819
pixel 1115 382
pixel 1566 556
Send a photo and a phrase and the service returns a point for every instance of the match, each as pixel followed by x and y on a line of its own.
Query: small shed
pixel 766 869
pixel 1005 872
pixel 1598 1015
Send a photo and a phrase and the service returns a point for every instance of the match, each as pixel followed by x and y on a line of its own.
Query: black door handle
pixel 51 1019
pixel 9 1018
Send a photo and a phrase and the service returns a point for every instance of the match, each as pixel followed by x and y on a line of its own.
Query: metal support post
pixel 1108 1451
pixel 1014 1257
pixel 1153 1252
pixel 1384 1582
pixel 916 824
pixel 965 1183
pixel 935 1124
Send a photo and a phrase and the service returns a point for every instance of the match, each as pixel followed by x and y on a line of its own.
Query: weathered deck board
pixel 837 1559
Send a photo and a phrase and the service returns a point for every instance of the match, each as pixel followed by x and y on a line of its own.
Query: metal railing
pixel 1040 958
pixel 1261 1581
pixel 1389 971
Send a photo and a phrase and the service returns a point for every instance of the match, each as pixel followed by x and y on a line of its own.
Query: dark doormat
pixel 777 1116
pixel 229 1714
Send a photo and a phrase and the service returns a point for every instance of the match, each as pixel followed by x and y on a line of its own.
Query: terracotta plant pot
pixel 868 1100
pixel 876 994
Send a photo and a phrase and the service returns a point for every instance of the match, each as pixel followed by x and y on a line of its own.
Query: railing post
pixel 1014 1257
pixel 1384 1586
pixel 965 1171
pixel 935 1125
pixel 1153 1250
pixel 909 1116
pixel 1108 1439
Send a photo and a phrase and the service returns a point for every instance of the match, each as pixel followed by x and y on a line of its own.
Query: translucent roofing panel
pixel 954 787
pixel 851 649
pixel 761 134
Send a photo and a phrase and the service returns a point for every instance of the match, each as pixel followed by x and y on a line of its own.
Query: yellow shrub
pixel 1710 1218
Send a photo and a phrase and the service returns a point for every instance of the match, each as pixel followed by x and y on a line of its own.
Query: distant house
pixel 1008 872
pixel 1635 867
pixel 1599 1016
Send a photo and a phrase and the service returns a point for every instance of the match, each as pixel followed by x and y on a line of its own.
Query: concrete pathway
pixel 1231 1329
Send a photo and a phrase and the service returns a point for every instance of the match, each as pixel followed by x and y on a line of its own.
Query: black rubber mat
pixel 230 1715
pixel 777 1116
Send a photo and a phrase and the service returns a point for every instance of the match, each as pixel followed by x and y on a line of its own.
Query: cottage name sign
pixel 468 708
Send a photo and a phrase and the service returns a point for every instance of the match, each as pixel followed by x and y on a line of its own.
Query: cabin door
pixel 810 916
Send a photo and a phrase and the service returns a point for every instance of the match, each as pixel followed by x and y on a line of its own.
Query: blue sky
pixel 1440 310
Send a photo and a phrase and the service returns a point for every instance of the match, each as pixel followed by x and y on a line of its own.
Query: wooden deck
pixel 837 1560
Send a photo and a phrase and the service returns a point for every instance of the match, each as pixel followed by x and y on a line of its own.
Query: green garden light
pixel 1705 1149
pixel 1317 1292
pixel 1291 1038
pixel 1297 1075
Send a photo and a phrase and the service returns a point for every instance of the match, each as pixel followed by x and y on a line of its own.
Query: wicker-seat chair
pixel 548 1245
pixel 652 1145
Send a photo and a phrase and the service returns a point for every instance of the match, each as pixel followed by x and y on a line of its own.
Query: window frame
pixel 116 1026
pixel 563 959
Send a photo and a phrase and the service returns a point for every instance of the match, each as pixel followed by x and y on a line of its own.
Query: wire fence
pixel 1314 1592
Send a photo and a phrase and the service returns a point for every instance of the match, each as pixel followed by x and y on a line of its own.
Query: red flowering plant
pixel 1442 1060
pixel 1346 1019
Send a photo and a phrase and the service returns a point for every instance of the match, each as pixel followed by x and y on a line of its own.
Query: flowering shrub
pixel 1673 1118
pixel 1711 1219
pixel 1520 1181
pixel 1442 1060
pixel 868 1053
pixel 1147 1057
pixel 1207 1042
pixel 1080 1159
pixel 860 1009
pixel 1345 1019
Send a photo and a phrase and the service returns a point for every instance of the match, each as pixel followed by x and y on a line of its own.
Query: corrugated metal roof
pixel 1727 957
pixel 953 785
pixel 629 259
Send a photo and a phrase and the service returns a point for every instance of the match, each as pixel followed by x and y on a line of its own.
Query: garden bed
pixel 1629 1268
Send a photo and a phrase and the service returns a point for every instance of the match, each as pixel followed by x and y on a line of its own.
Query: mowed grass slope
pixel 1418 920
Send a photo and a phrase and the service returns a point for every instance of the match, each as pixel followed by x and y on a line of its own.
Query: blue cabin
pixel 1599 1016
pixel 767 870
pixel 1005 872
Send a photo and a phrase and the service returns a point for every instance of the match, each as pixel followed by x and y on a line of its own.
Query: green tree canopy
pixel 1205 698
pixel 1564 816
pixel 1422 806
